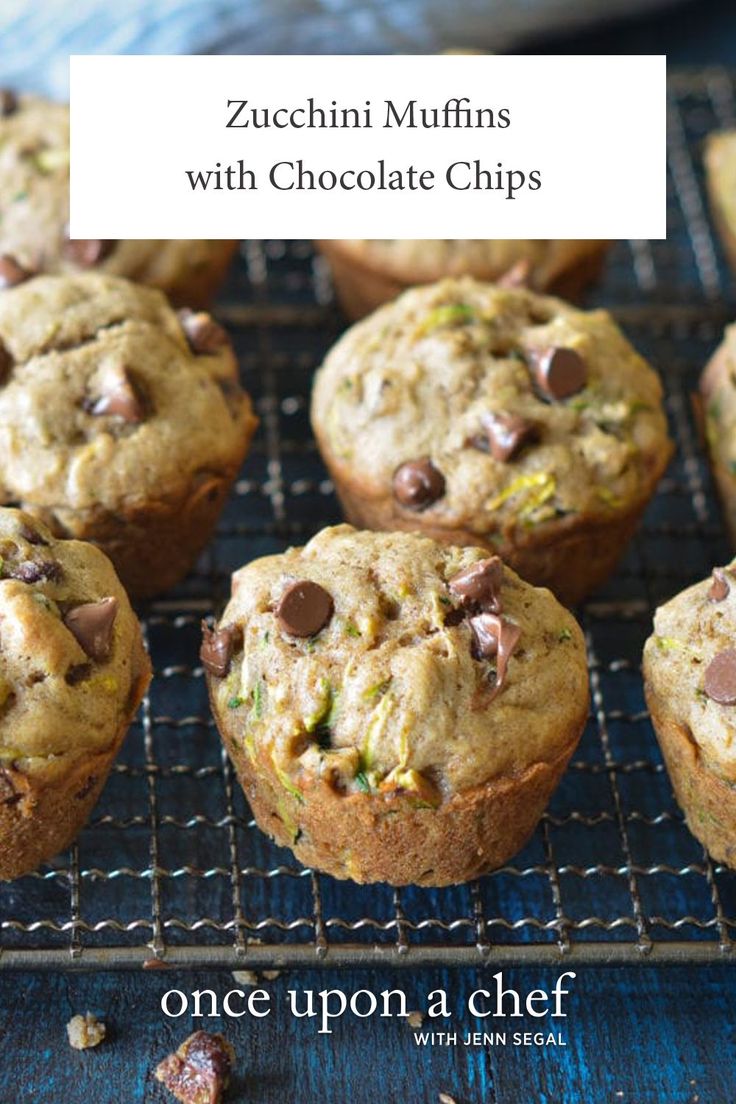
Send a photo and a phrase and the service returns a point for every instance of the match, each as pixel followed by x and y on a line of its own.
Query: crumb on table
pixel 85 1031
pixel 199 1071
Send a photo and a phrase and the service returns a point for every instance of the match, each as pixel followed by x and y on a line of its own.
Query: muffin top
pixel 387 662
pixel 691 664
pixel 71 654
pixel 109 398
pixel 491 409
pixel 34 203
pixel 719 393
pixel 424 260
pixel 720 161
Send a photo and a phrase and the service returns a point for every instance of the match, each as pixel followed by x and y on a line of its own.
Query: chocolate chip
pixel 494 636
pixel 478 586
pixel 91 625
pixel 87 252
pixel 516 276
pixel 8 102
pixel 205 336
pixel 123 399
pixel 720 678
pixel 304 608
pixel 720 586
pixel 558 372
pixel 29 534
pixel 11 272
pixel 217 648
pixel 507 434
pixel 417 484
pixel 29 571
pixel 6 363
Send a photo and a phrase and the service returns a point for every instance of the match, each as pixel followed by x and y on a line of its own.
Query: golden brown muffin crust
pixel 392 705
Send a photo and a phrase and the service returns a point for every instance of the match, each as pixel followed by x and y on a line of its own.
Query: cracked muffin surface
pixel 34 203
pixel 117 414
pixel 690 683
pixel 536 419
pixel 72 673
pixel 426 673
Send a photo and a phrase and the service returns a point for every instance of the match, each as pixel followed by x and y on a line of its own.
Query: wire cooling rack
pixel 172 869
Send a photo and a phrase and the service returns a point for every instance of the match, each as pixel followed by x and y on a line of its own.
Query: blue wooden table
pixel 633 1036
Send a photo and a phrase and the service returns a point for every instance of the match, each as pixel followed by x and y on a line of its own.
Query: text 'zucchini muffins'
pixel 72 673
pixel 493 416
pixel 34 210
pixel 397 710
pixel 718 391
pixel 120 422
pixel 690 684
pixel 369 272
pixel 720 176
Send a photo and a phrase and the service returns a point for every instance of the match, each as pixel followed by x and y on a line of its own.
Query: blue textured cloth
pixel 37 36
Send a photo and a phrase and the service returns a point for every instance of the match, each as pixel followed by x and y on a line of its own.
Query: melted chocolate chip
pixel 417 484
pixel 91 625
pixel 8 102
pixel 87 252
pixel 478 586
pixel 205 336
pixel 720 678
pixel 11 272
pixel 304 608
pixel 558 372
pixel 6 363
pixel 720 586
pixel 217 648
pixel 122 400
pixel 720 682
pixel 507 434
pixel 29 534
pixel 494 636
pixel 29 571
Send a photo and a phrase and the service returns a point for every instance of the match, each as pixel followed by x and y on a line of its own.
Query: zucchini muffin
pixel 121 422
pixel 397 710
pixel 493 416
pixel 720 176
pixel 690 685
pixel 73 671
pixel 34 213
pixel 368 273
pixel 718 395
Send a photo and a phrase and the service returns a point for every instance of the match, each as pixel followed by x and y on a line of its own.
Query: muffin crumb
pixel 199 1071
pixel 85 1031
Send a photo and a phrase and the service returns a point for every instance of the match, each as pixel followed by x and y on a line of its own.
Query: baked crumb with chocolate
pixel 690 684
pixel 409 718
pixel 85 1031
pixel 494 416
pixel 114 426
pixel 34 200
pixel 73 670
pixel 199 1071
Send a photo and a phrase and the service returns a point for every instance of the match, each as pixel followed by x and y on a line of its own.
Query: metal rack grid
pixel 173 870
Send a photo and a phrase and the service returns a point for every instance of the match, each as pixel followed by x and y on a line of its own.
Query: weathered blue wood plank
pixel 634 1036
